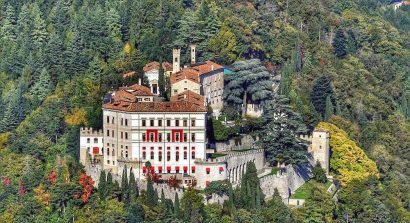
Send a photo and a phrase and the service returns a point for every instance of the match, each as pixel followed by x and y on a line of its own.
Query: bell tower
pixel 176 60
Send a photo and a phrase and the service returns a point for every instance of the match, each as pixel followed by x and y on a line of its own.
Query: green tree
pixel 339 44
pixel 102 185
pixel 279 136
pixel 275 210
pixel 151 197
pixel 136 213
pixel 322 88
pixel 42 87
pixel 329 109
pixel 249 82
pixel 177 212
pixel 8 25
pixel 319 174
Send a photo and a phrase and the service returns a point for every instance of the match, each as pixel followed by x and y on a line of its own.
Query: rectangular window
pixel 168 137
pixel 193 122
pixel 193 137
pixel 160 137
pixel 152 155
pixel 177 156
pixel 168 156
pixel 185 155
pixel 160 156
pixel 144 155
pixel 177 136
pixel 168 122
pixel 185 137
pixel 88 140
pixel 112 120
pixel 126 135
pixel 143 122
pixel 108 161
pixel 122 121
pixel 112 133
pixel 144 137
pixel 151 137
pixel 108 132
pixel 176 122
pixel 193 155
pixel 185 123
pixel 122 135
pixel 126 122
pixel 151 122
pixel 108 119
pixel 95 140
pixel 159 122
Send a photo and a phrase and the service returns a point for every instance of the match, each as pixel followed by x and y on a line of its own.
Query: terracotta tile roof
pixel 174 106
pixel 154 65
pixel 138 90
pixel 123 95
pixel 186 73
pixel 189 96
pixel 129 74
pixel 206 67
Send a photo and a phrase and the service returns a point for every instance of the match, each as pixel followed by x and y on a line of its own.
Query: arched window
pixel 193 155
pixel 152 155
pixel 144 155
pixel 126 154
pixel 113 152
pixel 177 156
pixel 151 137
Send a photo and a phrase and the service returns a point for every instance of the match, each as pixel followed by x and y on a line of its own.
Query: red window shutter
pixel 208 169
pixel 144 169
pixel 96 150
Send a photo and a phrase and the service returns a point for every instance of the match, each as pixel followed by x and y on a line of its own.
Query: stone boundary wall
pixel 242 142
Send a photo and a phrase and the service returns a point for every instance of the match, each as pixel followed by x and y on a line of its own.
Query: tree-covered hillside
pixel 343 62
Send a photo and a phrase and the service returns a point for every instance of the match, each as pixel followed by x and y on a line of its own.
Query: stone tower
pixel 176 60
pixel 193 53
pixel 320 148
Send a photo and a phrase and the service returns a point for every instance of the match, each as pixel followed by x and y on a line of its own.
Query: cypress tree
pixel 109 184
pixel 339 44
pixel 162 196
pixel 102 185
pixel 329 111
pixel 258 198
pixel 161 79
pixel 322 87
pixel 124 186
pixel 133 188
pixel 150 193
pixel 177 207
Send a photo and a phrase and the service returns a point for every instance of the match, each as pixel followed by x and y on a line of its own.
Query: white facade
pixel 91 143
pixel 169 141
pixel 153 77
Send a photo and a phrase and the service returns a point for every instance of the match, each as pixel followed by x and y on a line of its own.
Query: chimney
pixel 212 67
pixel 193 53
pixel 139 81
pixel 176 56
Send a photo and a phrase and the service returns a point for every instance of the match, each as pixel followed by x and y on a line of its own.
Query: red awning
pixel 185 168
pixel 177 168
pixel 160 168
pixel 208 169
pixel 168 168
pixel 144 168
pixel 193 168
pixel 152 168
pixel 221 169
pixel 96 150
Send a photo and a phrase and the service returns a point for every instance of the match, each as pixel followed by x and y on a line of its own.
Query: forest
pixel 344 66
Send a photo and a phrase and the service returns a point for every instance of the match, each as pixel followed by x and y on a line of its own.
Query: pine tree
pixel 250 81
pixel 42 87
pixel 15 110
pixel 76 59
pixel 151 201
pixel 133 187
pixel 258 198
pixel 351 43
pixel 161 79
pixel 109 184
pixel 322 88
pixel 55 56
pixel 124 186
pixel 102 185
pixel 177 213
pixel 339 44
pixel 329 109
pixel 280 135
pixel 39 33
pixel 136 213
pixel 8 28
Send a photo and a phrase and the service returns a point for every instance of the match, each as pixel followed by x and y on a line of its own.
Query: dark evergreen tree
pixel 8 25
pixel 177 212
pixel 135 213
pixel 249 82
pixel 152 199
pixel 339 44
pixel 125 191
pixel 351 42
pixel 322 88
pixel 329 109
pixel 319 174
pixel 280 135
pixel 102 185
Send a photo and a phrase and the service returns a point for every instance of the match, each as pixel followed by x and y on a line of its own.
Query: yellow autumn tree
pixel 127 49
pixel 348 160
pixel 77 117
